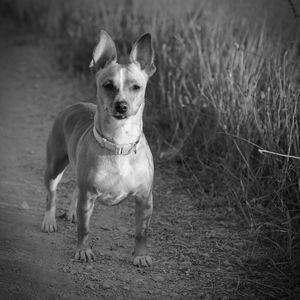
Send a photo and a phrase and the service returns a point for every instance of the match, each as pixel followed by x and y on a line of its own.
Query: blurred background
pixel 227 84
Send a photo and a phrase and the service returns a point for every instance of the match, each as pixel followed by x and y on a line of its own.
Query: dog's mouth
pixel 120 116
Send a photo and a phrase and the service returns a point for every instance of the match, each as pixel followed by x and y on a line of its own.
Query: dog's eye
pixel 109 85
pixel 136 87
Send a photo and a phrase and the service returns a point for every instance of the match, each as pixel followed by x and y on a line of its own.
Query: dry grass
pixel 225 87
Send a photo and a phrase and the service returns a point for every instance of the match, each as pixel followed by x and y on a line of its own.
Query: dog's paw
pixel 72 216
pixel 142 261
pixel 49 223
pixel 85 255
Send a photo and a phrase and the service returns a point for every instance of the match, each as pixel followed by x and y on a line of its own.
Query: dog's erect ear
pixel 104 53
pixel 142 52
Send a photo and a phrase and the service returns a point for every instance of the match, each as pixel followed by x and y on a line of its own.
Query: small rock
pixel 212 234
pixel 182 257
pixel 206 255
pixel 25 205
pixel 123 229
pixel 106 284
pixel 73 272
pixel 158 278
pixel 185 264
pixel 226 263
pixel 208 297
pixel 239 244
pixel 139 281
pixel 174 295
pixel 169 192
pixel 90 285
pixel 106 228
pixel 260 207
pixel 193 250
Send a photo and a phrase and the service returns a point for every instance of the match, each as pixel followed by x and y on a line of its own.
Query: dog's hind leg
pixel 57 160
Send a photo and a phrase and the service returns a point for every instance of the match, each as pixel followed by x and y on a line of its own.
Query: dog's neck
pixel 120 132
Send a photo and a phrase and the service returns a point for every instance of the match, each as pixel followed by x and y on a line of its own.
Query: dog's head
pixel 121 87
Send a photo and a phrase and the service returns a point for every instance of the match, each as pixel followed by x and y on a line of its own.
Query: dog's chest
pixel 116 178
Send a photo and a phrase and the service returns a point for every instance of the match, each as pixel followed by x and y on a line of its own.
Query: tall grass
pixel 224 88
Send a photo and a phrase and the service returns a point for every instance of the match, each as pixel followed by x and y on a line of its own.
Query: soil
pixel 196 252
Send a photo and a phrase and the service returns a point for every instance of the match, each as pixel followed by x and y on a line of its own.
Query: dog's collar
pixel 117 149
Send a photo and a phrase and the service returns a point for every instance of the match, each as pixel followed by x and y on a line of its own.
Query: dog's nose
pixel 121 107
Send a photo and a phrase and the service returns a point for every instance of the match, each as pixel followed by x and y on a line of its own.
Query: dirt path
pixel 194 254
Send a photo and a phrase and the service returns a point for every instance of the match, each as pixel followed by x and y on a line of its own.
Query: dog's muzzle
pixel 121 108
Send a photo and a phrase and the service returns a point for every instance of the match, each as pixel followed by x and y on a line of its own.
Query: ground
pixel 196 252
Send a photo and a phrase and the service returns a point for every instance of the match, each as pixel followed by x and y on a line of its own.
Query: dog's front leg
pixel 143 213
pixel 72 214
pixel 84 211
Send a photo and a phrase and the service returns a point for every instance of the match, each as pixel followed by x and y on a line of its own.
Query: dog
pixel 106 146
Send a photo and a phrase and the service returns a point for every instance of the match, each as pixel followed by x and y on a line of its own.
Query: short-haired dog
pixel 106 146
